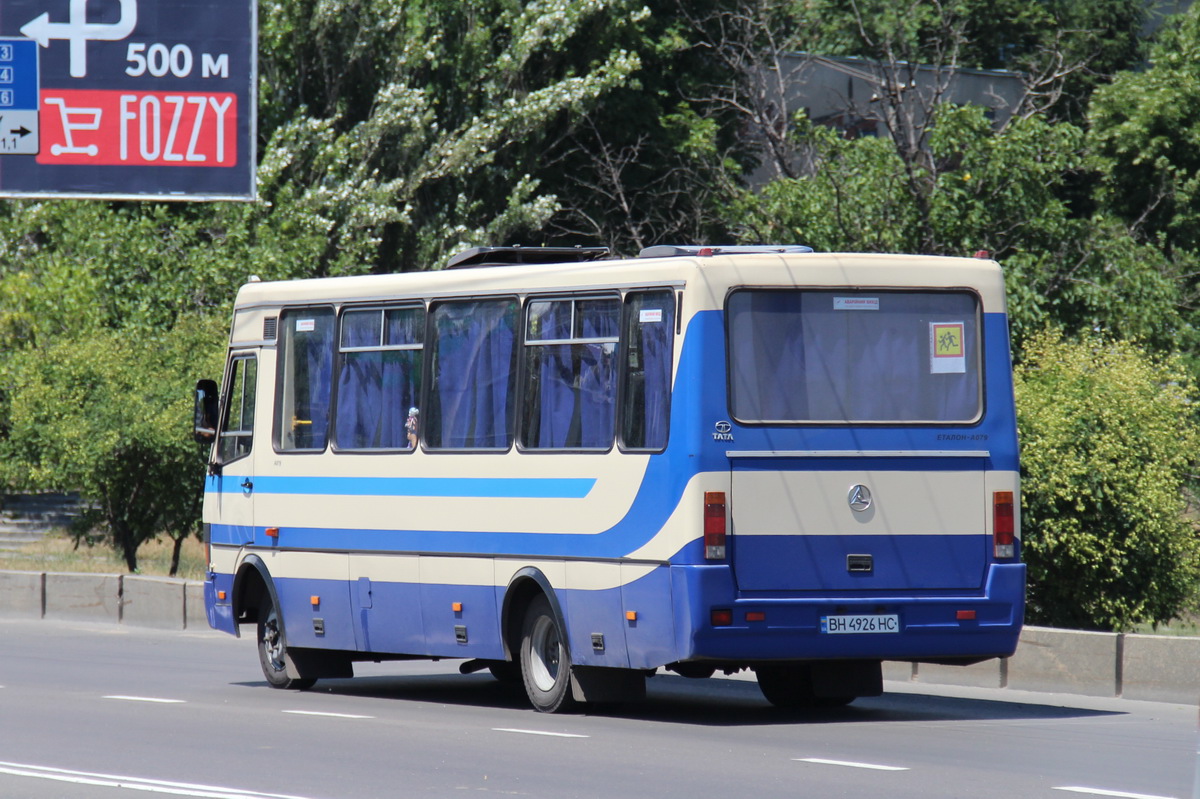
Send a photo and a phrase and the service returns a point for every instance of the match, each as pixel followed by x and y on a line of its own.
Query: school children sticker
pixel 947 349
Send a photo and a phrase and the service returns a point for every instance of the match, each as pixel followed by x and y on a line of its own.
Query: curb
pixel 1155 668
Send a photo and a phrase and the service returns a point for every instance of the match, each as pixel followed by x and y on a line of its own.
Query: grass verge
pixel 57 553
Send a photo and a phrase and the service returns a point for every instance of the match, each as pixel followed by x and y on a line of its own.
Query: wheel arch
pixel 526 584
pixel 253 589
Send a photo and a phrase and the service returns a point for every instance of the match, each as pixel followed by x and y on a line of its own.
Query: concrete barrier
pixel 194 615
pixel 899 671
pixel 22 594
pixel 1161 668
pixel 153 602
pixel 1066 661
pixel 988 674
pixel 82 597
pixel 1146 667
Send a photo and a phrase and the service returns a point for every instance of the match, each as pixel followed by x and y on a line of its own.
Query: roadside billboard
pixel 128 99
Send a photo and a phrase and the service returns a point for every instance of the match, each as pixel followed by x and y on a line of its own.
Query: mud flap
pixel 835 678
pixel 317 664
pixel 595 684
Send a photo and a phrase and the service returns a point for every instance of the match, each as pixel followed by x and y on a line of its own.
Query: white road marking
pixel 327 715
pixel 148 699
pixel 1106 792
pixel 135 783
pixel 849 764
pixel 539 732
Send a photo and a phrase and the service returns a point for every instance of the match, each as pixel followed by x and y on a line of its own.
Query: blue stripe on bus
pixel 456 487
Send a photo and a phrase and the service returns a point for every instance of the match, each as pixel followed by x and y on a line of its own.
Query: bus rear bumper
pixel 947 627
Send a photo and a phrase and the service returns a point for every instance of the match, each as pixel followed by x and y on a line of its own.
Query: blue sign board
pixel 18 96
pixel 128 98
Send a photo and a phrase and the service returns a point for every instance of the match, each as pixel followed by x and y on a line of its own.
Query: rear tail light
pixel 714 525
pixel 1003 524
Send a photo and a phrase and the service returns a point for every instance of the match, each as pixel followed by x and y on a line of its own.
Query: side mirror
pixel 205 431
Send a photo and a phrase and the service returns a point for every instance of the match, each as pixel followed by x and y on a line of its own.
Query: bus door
pixel 858 521
pixel 230 483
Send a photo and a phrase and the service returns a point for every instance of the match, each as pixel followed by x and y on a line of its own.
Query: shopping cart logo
pixel 75 120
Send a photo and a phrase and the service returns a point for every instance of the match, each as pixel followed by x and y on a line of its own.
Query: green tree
pixel 1000 191
pixel 396 132
pixel 1108 441
pixel 109 414
pixel 1145 131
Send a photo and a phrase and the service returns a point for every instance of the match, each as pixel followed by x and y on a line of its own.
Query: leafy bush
pixel 1108 437
pixel 109 414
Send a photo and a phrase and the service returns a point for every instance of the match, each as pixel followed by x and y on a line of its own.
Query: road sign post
pixel 143 99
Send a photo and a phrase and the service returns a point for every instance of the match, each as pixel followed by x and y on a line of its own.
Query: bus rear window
pixel 854 356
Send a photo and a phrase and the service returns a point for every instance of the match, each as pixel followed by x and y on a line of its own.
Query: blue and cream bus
pixel 574 470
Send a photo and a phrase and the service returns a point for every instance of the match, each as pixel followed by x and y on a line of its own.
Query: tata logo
pixel 722 431
pixel 859 498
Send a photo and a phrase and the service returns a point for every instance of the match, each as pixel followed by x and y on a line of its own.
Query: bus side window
pixel 379 378
pixel 571 374
pixel 305 379
pixel 649 332
pixel 237 430
pixel 472 375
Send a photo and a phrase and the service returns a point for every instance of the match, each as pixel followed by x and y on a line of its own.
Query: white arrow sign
pixel 78 31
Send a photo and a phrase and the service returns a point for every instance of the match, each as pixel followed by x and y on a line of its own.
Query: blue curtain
pixel 375 391
pixel 555 397
pixel 473 376
pixel 377 387
pixel 649 340
pixel 598 374
pixel 572 386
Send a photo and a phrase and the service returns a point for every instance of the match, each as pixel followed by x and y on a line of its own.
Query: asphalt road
pixel 108 712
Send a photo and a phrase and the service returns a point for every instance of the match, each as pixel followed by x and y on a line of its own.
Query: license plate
pixel 872 623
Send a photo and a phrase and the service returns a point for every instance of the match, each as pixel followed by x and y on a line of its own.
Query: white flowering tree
pixel 400 131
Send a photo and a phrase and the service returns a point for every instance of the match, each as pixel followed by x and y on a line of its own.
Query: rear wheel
pixel 272 651
pixel 790 685
pixel 545 661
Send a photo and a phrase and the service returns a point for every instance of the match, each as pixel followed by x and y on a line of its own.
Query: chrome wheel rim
pixel 545 654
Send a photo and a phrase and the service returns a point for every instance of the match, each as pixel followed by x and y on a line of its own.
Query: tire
pixel 545 659
pixel 272 651
pixel 790 686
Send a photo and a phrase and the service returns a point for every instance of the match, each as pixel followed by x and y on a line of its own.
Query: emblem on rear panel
pixel 859 497
pixel 722 431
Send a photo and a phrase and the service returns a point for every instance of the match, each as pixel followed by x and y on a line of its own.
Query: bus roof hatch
pixel 516 254
pixel 669 250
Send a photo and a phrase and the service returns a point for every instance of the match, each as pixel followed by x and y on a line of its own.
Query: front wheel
pixel 545 660
pixel 272 651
